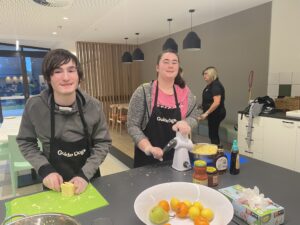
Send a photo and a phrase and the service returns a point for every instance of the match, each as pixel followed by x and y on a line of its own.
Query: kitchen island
pixel 121 189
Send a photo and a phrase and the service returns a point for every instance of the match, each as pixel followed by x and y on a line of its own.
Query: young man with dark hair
pixel 70 124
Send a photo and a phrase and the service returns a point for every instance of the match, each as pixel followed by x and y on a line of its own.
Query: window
pixel 20 77
pixel 7 47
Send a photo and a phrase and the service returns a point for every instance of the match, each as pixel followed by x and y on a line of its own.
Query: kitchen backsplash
pixel 281 81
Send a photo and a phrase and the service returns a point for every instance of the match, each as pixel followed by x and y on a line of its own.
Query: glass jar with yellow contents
pixel 200 174
pixel 213 177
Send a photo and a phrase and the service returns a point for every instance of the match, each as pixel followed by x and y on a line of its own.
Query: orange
pixel 188 203
pixel 200 220
pixel 165 205
pixel 182 210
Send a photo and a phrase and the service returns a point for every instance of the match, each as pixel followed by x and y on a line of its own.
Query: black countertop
pixel 278 114
pixel 121 189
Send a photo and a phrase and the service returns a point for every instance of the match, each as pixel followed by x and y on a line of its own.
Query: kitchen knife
pixel 170 145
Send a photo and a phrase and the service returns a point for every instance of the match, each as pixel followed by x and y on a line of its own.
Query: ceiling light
pixel 54 3
pixel 54 33
pixel 17 45
pixel 192 41
pixel 126 57
pixel 137 54
pixel 170 42
pixel 65 18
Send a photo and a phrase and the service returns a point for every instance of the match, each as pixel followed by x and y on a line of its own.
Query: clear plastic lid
pixel 200 163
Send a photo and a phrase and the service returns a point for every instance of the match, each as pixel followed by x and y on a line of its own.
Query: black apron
pixel 69 157
pixel 158 131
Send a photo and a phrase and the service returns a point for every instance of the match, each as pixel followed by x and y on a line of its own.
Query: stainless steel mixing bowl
pixel 41 219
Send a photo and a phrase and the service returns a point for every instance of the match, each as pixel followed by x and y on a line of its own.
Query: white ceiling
pixel 106 21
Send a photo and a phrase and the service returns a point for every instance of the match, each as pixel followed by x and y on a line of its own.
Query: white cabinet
pixel 276 141
pixel 255 149
pixel 280 142
pixel 297 167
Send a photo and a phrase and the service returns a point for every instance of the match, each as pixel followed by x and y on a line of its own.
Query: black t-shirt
pixel 213 89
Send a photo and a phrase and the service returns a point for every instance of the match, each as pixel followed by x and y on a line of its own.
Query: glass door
pixel 11 86
pixel 34 73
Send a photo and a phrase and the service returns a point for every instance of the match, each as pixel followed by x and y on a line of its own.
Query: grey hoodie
pixel 68 127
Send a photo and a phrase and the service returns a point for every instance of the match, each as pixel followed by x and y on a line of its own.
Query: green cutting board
pixel 51 201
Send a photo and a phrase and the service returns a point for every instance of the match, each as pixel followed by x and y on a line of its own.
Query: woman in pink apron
pixel 159 109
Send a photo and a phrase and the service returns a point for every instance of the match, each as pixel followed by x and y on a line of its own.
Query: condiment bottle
pixel 200 175
pixel 221 161
pixel 213 177
pixel 234 159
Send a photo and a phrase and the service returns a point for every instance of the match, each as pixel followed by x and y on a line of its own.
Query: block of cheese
pixel 67 189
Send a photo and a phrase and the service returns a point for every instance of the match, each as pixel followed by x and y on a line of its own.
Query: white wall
pixel 284 60
pixel 69 45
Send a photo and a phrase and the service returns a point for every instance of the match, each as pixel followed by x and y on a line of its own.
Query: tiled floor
pixel 122 141
pixel 109 166
pixel 112 165
pixel 5 183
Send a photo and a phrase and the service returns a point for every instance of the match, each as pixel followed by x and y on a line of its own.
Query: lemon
pixel 174 203
pixel 199 205
pixel 207 213
pixel 193 212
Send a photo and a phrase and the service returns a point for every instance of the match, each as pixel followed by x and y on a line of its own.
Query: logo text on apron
pixel 74 154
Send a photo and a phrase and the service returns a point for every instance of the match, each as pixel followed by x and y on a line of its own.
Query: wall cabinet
pixel 276 141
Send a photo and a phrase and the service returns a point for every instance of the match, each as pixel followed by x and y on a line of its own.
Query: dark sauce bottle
pixel 234 159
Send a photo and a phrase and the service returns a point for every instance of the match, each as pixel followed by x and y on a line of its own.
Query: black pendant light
pixel 170 42
pixel 192 41
pixel 126 57
pixel 137 54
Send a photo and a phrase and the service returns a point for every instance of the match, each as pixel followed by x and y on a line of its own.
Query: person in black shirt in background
pixel 213 98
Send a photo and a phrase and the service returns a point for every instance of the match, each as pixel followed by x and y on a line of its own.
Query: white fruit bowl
pixel 209 197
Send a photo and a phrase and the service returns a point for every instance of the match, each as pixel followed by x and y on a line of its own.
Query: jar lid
pixel 220 149
pixel 211 169
pixel 200 163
